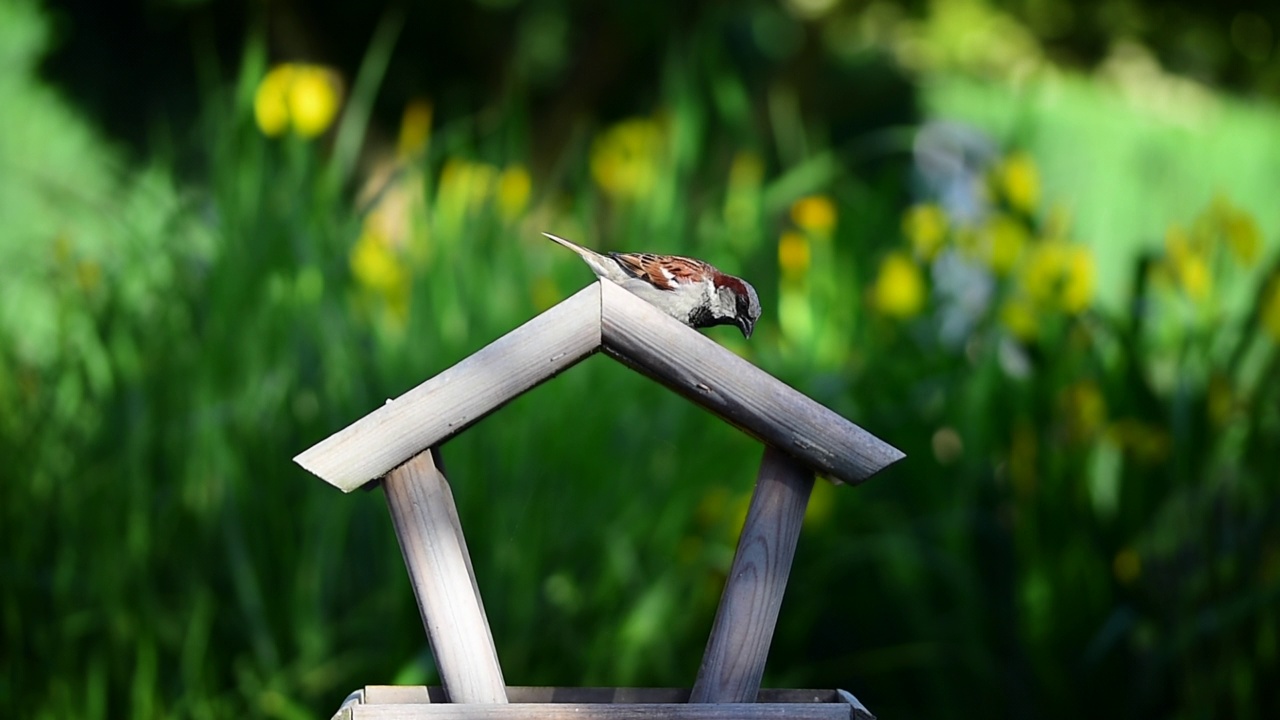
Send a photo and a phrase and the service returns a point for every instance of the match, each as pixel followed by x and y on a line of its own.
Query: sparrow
pixel 689 290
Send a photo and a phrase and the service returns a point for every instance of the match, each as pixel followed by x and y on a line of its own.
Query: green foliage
pixel 1087 510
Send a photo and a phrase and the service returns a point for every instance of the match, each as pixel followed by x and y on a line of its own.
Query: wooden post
pixel 430 535
pixel 733 663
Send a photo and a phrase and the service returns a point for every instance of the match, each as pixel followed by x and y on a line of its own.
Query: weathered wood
pixel 642 695
pixel 452 401
pixel 860 711
pixel 456 521
pixel 577 711
pixel 388 694
pixel 733 663
pixel 636 334
pixel 599 702
pixel 656 345
pixel 401 694
pixel 435 552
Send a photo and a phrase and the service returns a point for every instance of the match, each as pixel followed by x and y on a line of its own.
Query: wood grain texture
pixel 638 335
pixel 389 694
pixel 452 401
pixel 576 711
pixel 733 663
pixel 401 694
pixel 435 552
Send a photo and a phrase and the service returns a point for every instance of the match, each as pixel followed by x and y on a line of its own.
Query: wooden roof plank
pixel 647 340
pixel 457 398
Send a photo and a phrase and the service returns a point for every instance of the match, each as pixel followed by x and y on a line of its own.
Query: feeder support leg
pixel 733 663
pixel 435 552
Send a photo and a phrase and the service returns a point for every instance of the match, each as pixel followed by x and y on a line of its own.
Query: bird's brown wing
pixel 664 272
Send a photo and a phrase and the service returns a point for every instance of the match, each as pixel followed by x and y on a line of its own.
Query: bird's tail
pixel 600 264
pixel 571 245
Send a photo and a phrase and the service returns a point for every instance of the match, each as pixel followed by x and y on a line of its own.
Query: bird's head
pixel 737 303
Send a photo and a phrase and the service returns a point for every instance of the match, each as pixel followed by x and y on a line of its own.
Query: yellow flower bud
pixel 415 128
pixel 815 213
pixel 899 290
pixel 793 253
pixel 304 97
pixel 270 107
pixel 1019 181
pixel 513 191
pixel 625 158
pixel 313 100
pixel 925 227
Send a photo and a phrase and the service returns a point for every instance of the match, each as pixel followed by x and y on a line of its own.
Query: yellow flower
pixel 793 253
pixel 1187 256
pixel 270 103
pixel 1005 239
pixel 1240 230
pixel 1060 275
pixel 815 213
pixel 513 191
pixel 1081 276
pixel 625 158
pixel 925 226
pixel 1019 181
pixel 415 128
pixel 313 100
pixel 1192 273
pixel 1188 262
pixel 377 268
pixel 1269 313
pixel 1018 315
pixel 899 289
pixel 1042 271
pixel 374 263
pixel 304 97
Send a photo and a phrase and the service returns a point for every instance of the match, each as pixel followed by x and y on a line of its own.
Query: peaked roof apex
pixel 601 316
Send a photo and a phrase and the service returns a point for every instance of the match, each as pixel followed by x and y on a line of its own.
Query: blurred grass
pixel 1088 509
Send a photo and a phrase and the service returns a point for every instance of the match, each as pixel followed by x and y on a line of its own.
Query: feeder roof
pixel 600 317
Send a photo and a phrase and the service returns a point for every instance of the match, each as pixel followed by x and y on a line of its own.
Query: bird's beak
pixel 746 326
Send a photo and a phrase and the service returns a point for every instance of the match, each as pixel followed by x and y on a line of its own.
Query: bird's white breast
pixel 678 303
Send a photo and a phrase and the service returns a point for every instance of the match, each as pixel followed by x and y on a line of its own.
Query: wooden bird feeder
pixel 399 443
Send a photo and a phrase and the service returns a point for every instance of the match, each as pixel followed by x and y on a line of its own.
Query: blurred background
pixel 1033 243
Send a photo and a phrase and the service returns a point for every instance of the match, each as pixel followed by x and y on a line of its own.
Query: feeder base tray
pixel 406 702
